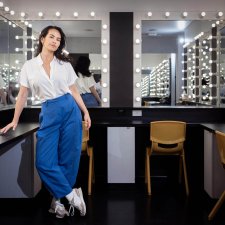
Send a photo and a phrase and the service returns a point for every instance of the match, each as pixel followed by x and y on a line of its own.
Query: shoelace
pixel 71 210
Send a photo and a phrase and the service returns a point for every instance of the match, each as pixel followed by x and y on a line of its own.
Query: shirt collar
pixel 40 62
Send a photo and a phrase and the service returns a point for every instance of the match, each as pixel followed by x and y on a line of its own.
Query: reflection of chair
pixel 89 150
pixel 167 138
pixel 220 138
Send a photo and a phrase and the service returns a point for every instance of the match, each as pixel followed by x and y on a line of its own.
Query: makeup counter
pixel 119 136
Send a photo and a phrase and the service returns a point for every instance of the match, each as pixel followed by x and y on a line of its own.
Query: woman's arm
pixel 81 104
pixel 95 93
pixel 21 99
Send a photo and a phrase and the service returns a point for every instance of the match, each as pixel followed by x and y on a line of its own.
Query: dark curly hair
pixel 82 66
pixel 58 53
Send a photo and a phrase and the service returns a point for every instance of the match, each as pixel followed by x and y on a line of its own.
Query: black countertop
pixel 212 127
pixel 22 130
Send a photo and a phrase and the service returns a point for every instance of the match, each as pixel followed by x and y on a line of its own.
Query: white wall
pixel 114 5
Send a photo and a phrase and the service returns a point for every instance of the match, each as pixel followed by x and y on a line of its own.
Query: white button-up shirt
pixel 33 75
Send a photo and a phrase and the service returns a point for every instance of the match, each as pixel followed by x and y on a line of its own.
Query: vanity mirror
pixel 162 56
pixel 12 58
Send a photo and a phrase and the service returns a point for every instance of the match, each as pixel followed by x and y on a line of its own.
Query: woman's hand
pixel 87 120
pixel 12 125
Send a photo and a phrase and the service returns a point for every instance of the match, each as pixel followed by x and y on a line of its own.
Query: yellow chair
pixel 89 150
pixel 220 138
pixel 167 138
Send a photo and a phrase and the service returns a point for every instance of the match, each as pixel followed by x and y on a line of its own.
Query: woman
pixel 51 77
pixel 86 83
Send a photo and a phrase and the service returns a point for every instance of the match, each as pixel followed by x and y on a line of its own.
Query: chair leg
pixel 90 153
pixel 217 206
pixel 148 170
pixel 180 168
pixel 185 175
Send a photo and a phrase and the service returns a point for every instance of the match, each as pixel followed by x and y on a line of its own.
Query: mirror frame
pixel 137 45
pixel 100 16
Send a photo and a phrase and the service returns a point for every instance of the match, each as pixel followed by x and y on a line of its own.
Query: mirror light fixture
pixel 105 56
pixel 138 85
pixel 138 99
pixel 184 14
pixel 75 14
pixel 104 26
pixel 167 14
pixel 6 9
pixel 41 14
pixel 219 14
pixel 58 14
pixel 203 14
pixel 12 12
pixel 1 4
pixel 23 14
pixel 92 14
pixel 149 14
pixel 104 85
pixel 105 70
pixel 138 26
pixel 138 70
pixel 137 41
pixel 105 100
pixel 104 41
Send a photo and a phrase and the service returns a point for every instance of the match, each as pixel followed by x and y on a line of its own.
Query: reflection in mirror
pixel 222 65
pixel 83 38
pixel 11 59
pixel 165 40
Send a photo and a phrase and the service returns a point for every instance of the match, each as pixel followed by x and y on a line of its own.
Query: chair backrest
pixel 85 136
pixel 220 138
pixel 167 132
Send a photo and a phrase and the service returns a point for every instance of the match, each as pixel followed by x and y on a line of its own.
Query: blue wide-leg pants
pixel 59 141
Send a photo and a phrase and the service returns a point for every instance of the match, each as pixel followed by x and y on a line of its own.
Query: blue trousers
pixel 89 100
pixel 59 140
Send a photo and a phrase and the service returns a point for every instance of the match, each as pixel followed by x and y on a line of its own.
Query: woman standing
pixel 51 77
pixel 86 83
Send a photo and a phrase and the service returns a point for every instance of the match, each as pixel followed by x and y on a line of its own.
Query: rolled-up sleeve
pixel 23 78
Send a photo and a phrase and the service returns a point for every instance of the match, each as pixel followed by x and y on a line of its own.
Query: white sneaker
pixel 77 202
pixel 58 209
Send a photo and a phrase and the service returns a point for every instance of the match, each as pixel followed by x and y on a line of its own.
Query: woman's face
pixel 51 41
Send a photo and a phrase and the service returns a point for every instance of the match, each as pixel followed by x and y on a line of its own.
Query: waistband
pixel 58 99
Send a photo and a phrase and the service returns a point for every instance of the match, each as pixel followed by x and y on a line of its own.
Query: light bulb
pixel 92 14
pixel 105 100
pixel 203 14
pixel 137 56
pixel 185 14
pixel 22 14
pixel 138 99
pixel 75 14
pixel 40 14
pixel 138 26
pixel 104 41
pixel 105 56
pixel 149 14
pixel 137 84
pixel 104 26
pixel 1 4
pixel 12 12
pixel 219 14
pixel 137 41
pixel 6 9
pixel 58 14
pixel 104 85
pixel 167 14
pixel 105 70
pixel 137 70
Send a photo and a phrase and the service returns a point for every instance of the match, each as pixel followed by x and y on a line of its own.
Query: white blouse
pixel 83 83
pixel 33 75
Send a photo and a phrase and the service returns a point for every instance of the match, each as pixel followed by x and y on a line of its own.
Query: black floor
pixel 119 205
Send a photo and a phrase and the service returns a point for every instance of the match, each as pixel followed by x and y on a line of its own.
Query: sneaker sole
pixel 52 211
pixel 80 194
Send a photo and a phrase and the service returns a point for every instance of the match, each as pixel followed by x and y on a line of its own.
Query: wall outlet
pixel 137 113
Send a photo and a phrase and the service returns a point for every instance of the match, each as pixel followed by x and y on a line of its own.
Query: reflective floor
pixel 119 205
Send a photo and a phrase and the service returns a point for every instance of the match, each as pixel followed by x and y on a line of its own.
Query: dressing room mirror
pixel 12 58
pixel 162 57
pixel 83 38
